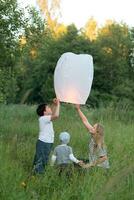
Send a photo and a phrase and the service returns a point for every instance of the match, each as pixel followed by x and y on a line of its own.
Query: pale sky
pixel 79 11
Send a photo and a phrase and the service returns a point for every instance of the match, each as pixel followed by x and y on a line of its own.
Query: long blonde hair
pixel 99 136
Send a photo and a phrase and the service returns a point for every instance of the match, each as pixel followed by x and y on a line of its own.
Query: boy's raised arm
pixel 84 120
pixel 56 109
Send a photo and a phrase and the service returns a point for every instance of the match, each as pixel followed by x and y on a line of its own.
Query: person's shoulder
pixel 58 146
pixel 41 117
pixel 69 147
pixel 45 118
pixel 56 149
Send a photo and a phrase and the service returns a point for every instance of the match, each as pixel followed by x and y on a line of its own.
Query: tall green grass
pixel 18 135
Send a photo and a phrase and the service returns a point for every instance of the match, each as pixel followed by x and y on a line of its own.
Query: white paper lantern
pixel 73 77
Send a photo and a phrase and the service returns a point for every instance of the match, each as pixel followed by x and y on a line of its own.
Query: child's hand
pixel 56 101
pixel 81 163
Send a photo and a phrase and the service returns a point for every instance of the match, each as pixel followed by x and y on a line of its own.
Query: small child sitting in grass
pixel 97 150
pixel 63 155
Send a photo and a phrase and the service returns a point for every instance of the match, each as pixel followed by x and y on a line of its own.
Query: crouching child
pixel 63 157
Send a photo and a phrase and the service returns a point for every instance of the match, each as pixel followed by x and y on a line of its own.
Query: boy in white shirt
pixel 46 135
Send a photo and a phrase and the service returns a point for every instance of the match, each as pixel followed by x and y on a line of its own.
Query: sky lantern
pixel 73 77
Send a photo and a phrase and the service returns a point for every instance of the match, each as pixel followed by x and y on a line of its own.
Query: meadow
pixel 18 135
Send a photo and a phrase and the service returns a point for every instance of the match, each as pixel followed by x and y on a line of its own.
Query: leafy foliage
pixel 31 59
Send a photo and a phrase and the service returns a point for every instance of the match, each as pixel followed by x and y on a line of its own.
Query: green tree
pixel 10 24
pixel 112 63
pixel 34 35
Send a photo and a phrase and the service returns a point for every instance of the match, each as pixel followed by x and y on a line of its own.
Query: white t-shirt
pixel 46 131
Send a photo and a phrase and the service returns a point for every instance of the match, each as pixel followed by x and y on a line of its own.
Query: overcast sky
pixel 79 11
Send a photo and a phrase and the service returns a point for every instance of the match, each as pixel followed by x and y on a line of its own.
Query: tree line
pixel 31 46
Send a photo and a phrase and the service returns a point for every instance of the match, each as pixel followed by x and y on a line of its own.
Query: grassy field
pixel 18 135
